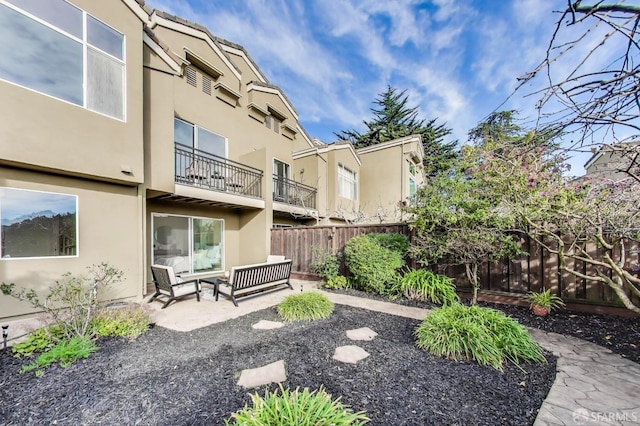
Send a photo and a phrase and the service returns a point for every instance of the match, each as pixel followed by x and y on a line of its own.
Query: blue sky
pixel 457 59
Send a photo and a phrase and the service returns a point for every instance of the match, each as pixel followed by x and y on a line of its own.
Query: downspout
pixel 401 181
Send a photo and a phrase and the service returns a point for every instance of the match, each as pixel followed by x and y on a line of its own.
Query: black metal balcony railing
pixel 209 171
pixel 294 193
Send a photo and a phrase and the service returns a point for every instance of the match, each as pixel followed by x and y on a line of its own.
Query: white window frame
pixel 195 137
pixel 46 257
pixel 85 46
pixel 347 178
pixel 412 179
pixel 154 215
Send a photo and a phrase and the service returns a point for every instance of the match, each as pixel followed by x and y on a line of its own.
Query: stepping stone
pixel 256 377
pixel 350 354
pixel 266 325
pixel 364 333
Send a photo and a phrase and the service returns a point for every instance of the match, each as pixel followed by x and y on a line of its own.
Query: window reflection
pixel 40 58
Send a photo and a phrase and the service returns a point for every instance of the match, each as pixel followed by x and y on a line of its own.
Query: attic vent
pixel 206 85
pixel 191 76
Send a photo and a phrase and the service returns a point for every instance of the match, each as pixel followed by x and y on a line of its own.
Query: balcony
pixel 208 171
pixel 293 193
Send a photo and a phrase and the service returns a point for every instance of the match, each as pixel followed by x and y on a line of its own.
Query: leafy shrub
pixel 426 286
pixel 297 408
pixel 72 301
pixel 305 306
pixel 395 242
pixel 470 332
pixel 125 322
pixel 325 263
pixel 39 340
pixel 337 283
pixel 65 352
pixel 372 265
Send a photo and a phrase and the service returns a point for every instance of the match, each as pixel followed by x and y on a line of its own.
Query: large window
pixel 347 183
pixel 413 187
pixel 37 224
pixel 58 49
pixel 197 137
pixel 188 244
pixel 281 175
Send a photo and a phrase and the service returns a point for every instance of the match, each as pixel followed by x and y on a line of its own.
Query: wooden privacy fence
pixel 540 270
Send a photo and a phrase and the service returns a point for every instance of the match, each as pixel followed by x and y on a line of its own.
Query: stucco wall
pixel 109 230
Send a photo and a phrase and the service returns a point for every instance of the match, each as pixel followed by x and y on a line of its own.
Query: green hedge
pixel 373 264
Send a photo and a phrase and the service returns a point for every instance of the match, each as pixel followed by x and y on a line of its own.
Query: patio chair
pixel 168 285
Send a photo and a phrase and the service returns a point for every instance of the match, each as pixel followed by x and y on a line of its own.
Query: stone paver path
pixel 350 354
pixel 364 333
pixel 593 385
pixel 256 377
pixel 267 325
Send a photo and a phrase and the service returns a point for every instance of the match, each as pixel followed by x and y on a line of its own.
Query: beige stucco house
pixel 134 137
pixel 71 143
pixel 613 163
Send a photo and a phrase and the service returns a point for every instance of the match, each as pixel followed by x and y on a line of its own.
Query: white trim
pixel 348 177
pixel 190 240
pixel 289 168
pixel 304 135
pixel 185 29
pixel 593 159
pixel 222 197
pixel 240 52
pixel 275 112
pixel 331 147
pixel 77 213
pixel 213 70
pixel 161 53
pixel 85 45
pixel 395 142
pixel 258 108
pixel 227 89
pixel 273 91
pixel 137 10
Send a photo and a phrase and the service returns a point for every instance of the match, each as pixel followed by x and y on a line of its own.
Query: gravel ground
pixel 173 378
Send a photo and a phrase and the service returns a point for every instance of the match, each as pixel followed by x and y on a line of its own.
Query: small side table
pixel 215 282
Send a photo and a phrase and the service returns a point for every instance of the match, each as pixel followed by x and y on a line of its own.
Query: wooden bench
pixel 251 279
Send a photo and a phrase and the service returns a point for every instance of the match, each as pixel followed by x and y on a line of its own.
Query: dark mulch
pixel 619 334
pixel 173 378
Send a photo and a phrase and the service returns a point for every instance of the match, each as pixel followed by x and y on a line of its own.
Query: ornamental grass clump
pixel 426 286
pixel 297 408
pixel 305 307
pixel 485 335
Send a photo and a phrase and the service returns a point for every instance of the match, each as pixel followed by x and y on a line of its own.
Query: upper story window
pixel 347 183
pixel 413 187
pixel 61 51
pixel 200 138
pixel 272 122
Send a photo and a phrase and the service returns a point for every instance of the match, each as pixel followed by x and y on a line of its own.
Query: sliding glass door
pixel 188 244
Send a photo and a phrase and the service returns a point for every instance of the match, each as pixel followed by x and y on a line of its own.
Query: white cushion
pixel 273 258
pixel 181 290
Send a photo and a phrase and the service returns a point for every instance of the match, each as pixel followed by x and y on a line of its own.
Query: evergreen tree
pixel 394 119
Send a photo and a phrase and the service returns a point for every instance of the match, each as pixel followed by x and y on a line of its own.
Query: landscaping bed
pixel 619 334
pixel 166 377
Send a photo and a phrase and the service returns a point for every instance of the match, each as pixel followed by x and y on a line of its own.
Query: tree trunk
pixel 472 276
